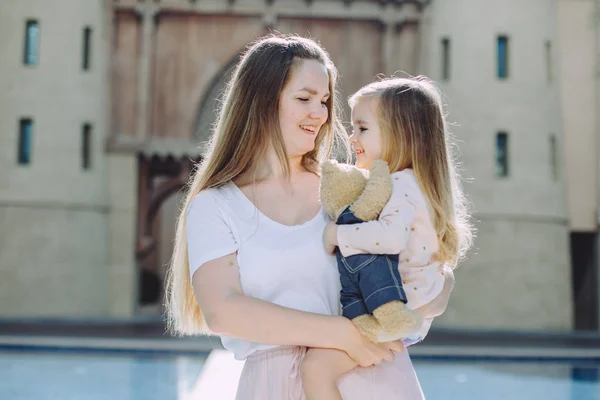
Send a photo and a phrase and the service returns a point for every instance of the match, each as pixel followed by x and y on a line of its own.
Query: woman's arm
pixel 229 312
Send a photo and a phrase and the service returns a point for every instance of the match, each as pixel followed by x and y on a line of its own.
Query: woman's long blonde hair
pixel 415 134
pixel 247 125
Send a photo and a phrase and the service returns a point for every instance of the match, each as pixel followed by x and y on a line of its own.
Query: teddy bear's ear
pixel 378 164
pixel 329 162
pixel 329 166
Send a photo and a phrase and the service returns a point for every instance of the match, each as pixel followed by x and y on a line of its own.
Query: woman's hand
pixel 395 346
pixel 365 352
pixel 330 237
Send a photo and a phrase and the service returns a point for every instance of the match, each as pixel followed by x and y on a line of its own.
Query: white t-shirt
pixel 286 265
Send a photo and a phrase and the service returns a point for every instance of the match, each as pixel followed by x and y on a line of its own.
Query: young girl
pixel 425 221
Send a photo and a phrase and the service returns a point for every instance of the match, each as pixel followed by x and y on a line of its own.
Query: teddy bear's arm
pixel 341 184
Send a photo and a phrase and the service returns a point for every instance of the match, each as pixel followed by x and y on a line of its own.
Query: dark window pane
pixel 86 144
pixel 502 154
pixel 502 57
pixel 445 59
pixel 86 51
pixel 25 141
pixel 32 41
pixel 553 157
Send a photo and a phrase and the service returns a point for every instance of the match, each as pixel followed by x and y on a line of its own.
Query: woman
pixel 249 250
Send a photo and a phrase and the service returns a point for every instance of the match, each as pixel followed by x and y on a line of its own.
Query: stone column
pixel 147 12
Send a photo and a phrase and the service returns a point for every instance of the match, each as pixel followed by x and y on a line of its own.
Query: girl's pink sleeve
pixel 387 235
pixel 438 305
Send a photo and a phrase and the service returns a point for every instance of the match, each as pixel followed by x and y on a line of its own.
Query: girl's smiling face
pixel 366 133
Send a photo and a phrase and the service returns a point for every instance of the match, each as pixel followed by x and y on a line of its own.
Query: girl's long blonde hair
pixel 415 134
pixel 247 125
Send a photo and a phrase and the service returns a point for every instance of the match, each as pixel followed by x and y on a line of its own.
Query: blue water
pixel 509 380
pixel 42 376
pixel 137 376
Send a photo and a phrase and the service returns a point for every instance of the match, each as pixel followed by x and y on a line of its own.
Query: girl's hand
pixel 330 237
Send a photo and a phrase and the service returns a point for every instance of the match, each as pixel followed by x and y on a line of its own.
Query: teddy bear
pixel 352 195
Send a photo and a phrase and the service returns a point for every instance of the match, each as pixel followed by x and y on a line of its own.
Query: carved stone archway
pixel 207 111
pixel 159 177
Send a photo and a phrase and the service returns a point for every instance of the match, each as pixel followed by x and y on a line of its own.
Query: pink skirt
pixel 275 375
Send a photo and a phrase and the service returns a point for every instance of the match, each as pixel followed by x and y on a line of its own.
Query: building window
pixel 32 42
pixel 25 141
pixel 503 57
pixel 86 144
pixel 553 157
pixel 549 61
pixel 446 59
pixel 502 154
pixel 86 50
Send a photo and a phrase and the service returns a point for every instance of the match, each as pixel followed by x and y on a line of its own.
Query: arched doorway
pixel 207 111
pixel 161 179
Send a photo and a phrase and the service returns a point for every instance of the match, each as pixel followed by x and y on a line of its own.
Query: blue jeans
pixel 368 280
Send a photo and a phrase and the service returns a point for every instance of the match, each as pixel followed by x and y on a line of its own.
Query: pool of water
pixel 508 380
pixel 28 374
